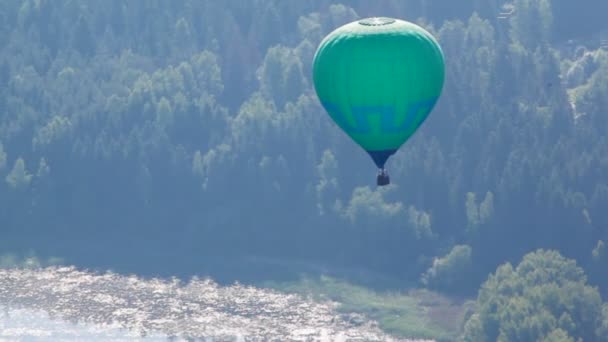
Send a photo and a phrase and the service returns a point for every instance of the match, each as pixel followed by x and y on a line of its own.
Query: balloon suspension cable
pixel 382 178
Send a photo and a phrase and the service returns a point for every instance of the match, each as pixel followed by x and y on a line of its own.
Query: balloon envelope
pixel 378 79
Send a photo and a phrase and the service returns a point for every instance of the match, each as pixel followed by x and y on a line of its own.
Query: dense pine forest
pixel 184 137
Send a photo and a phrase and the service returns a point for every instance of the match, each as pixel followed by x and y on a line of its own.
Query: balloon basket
pixel 382 179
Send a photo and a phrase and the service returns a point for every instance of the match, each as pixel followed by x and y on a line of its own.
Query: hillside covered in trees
pixel 179 137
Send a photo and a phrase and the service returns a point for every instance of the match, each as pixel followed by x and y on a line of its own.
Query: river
pixel 68 304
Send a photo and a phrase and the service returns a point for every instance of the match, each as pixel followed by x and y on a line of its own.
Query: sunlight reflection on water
pixel 66 304
pixel 36 325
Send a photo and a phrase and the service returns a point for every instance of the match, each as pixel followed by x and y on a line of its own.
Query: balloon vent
pixel 376 21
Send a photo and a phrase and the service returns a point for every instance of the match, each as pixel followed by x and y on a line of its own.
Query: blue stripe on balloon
pixel 387 114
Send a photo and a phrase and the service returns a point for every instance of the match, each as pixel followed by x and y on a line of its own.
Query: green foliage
pixel 532 22
pixel 545 297
pixel 281 75
pixel 367 204
pixel 474 329
pixel 57 128
pixel 472 210
pixel 603 329
pixel 450 272
pixel 420 222
pixel 486 208
pixel 599 252
pixel 19 177
pixel 558 335
pixel 478 214
pixel 588 98
pixel 30 261
pixel 328 181
pixel 2 157
pixel 43 169
pixel 416 314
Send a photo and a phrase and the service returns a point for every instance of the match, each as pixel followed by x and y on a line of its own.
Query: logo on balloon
pixel 361 115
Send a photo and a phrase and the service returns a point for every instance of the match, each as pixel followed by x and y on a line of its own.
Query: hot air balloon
pixel 378 79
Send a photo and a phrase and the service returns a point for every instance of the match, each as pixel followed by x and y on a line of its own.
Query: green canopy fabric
pixel 378 79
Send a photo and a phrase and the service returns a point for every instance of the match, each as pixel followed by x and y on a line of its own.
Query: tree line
pixel 172 133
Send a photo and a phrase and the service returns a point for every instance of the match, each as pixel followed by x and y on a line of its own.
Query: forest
pixel 185 137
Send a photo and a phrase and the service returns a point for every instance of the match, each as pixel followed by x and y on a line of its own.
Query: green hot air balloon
pixel 379 78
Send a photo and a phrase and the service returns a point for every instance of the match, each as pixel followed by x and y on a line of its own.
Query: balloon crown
pixel 377 21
